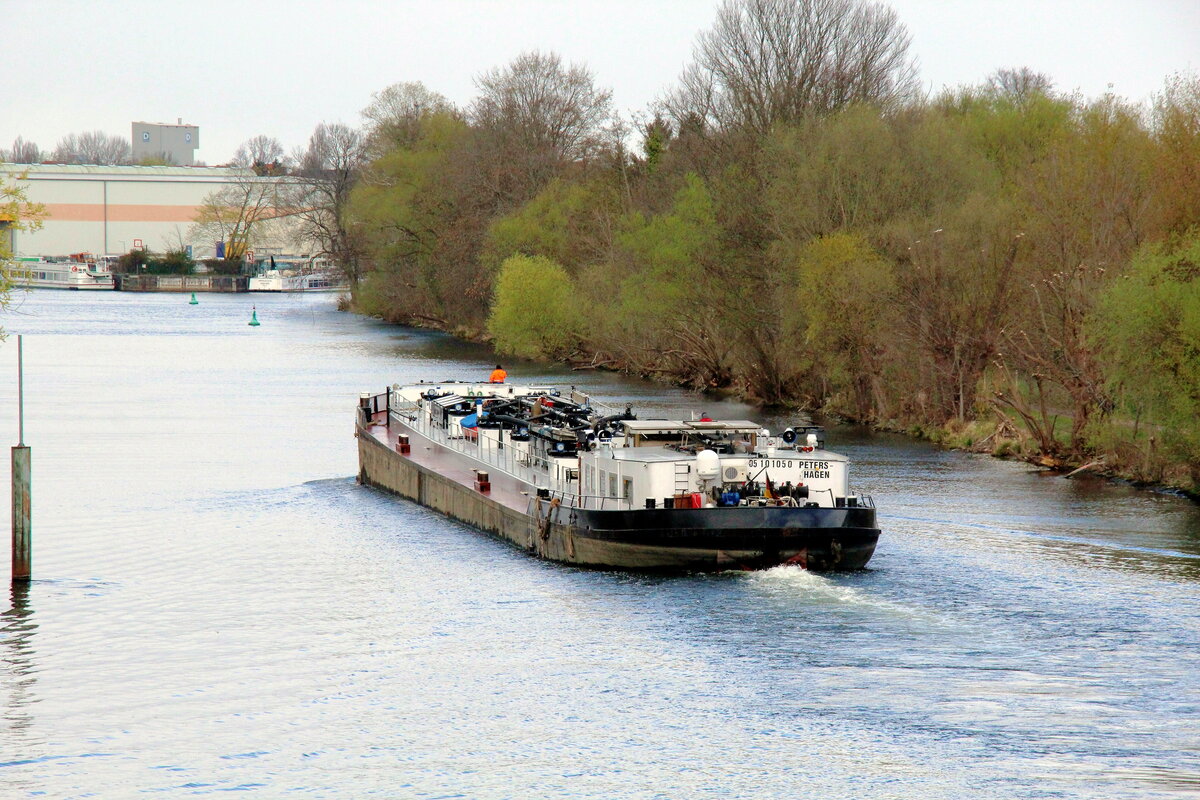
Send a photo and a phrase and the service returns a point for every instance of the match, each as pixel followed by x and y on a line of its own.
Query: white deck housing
pixel 661 461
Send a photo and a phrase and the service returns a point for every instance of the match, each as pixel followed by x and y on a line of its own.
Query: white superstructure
pixel 618 462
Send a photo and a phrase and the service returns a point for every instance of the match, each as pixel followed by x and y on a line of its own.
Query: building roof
pixel 83 170
pixel 649 426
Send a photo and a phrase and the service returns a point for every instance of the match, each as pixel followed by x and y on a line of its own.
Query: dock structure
pixel 130 282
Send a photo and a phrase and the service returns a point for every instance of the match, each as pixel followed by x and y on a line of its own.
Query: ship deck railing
pixel 515 462
pixel 588 502
pixel 487 450
pixel 850 501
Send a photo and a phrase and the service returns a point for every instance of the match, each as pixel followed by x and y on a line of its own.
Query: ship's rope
pixel 555 503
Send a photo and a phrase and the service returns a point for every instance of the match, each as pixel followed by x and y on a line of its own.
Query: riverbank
pixel 1003 440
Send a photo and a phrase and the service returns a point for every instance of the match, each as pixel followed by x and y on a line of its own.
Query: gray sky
pixel 279 67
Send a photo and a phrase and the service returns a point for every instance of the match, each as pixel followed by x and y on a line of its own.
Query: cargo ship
pixel 572 481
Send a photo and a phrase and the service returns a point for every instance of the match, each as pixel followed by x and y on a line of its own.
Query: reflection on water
pixel 219 607
pixel 19 681
pixel 17 627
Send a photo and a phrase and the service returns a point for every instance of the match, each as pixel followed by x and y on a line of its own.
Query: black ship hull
pixel 728 538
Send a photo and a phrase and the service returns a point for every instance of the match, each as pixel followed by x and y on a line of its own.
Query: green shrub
pixel 176 262
pixel 534 313
pixel 133 261
pixel 1148 326
pixel 371 298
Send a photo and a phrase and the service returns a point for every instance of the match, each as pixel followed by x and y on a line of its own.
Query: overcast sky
pixel 279 67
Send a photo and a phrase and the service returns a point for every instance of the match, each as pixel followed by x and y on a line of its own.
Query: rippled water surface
pixel 218 606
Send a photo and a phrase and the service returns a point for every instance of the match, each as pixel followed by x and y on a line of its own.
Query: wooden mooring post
pixel 22 534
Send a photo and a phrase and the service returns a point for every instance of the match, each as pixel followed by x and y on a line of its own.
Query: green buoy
pixel 193 301
pixel 254 317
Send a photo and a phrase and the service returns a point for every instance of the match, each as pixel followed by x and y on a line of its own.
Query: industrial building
pixel 111 210
pixel 175 144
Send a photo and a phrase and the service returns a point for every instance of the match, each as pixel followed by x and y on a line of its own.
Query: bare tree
pixel 1090 206
pixel 541 105
pixel 93 147
pixel 22 152
pixel 263 154
pixel 393 117
pixel 533 118
pixel 237 213
pixel 956 290
pixel 770 61
pixel 1019 83
pixel 1050 347
pixel 1176 120
pixel 319 192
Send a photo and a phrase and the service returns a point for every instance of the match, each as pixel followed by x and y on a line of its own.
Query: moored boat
pixel 314 275
pixel 571 481
pixel 75 273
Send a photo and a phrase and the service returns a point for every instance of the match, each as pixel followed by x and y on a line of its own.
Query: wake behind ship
pixel 570 481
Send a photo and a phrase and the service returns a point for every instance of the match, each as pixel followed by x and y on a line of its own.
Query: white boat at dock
pixel 313 275
pixel 80 272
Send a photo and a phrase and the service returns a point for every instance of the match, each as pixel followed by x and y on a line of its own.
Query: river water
pixel 218 606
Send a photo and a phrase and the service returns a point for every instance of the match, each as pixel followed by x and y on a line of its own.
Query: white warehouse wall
pixel 103 209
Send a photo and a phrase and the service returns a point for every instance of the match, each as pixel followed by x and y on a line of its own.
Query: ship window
pixel 603 480
pixel 627 488
pixel 612 485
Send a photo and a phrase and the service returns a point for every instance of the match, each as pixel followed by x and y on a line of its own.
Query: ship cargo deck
pixel 455 467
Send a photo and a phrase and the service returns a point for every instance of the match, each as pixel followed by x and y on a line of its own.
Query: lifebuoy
pixel 74 269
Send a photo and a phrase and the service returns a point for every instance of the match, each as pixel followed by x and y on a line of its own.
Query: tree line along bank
pixel 1001 266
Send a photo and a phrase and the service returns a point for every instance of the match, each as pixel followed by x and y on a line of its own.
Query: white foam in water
pixel 832 590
